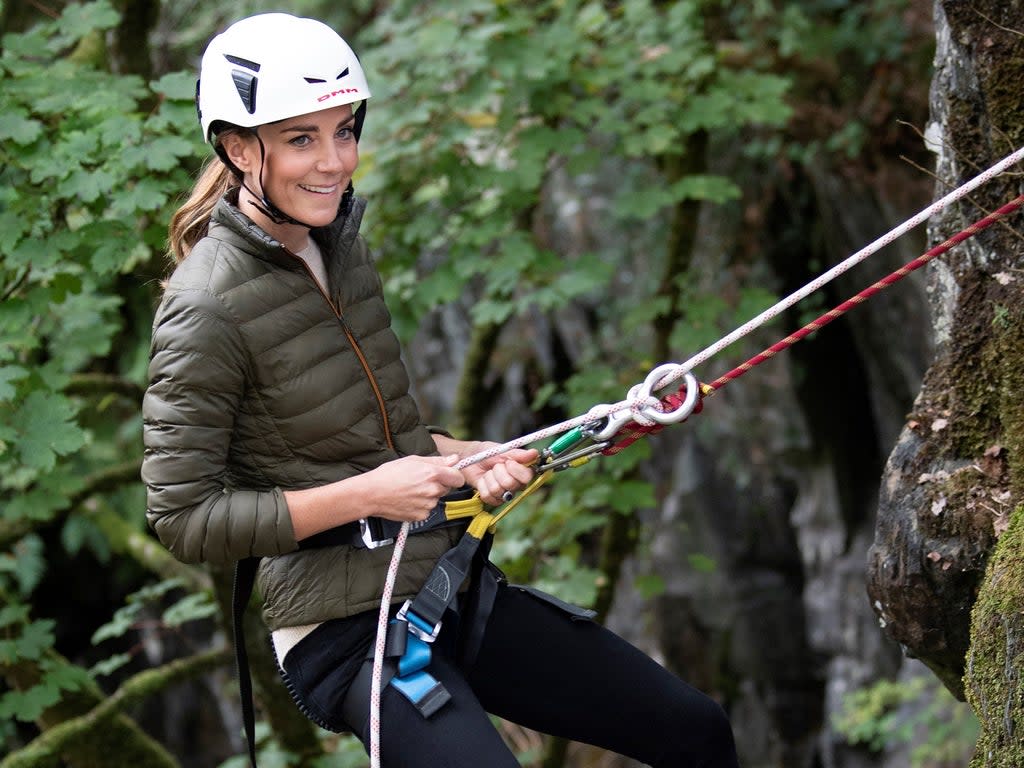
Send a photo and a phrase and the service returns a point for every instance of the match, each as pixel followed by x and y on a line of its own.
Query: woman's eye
pixel 345 133
pixel 300 141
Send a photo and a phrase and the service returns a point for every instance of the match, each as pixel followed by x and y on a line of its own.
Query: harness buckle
pixel 416 625
pixel 366 534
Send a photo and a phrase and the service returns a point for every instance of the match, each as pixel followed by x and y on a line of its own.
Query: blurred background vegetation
pixel 542 176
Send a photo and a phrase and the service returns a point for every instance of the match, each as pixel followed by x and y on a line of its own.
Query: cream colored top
pixel 315 261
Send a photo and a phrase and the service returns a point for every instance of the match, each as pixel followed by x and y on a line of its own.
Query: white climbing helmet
pixel 273 66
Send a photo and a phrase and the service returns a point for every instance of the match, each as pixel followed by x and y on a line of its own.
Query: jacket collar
pixel 336 238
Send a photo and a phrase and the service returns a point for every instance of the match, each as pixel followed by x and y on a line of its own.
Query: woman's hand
pixel 410 487
pixel 505 473
pixel 405 489
pixel 493 477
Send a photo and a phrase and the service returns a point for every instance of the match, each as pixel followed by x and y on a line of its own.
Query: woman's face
pixel 309 162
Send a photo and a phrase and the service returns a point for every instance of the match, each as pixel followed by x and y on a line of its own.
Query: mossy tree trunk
pixel 944 573
pixel 90 730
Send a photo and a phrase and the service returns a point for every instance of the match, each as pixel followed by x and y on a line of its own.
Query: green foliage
pixel 837 46
pixel 27 642
pixel 90 165
pixel 477 107
pixel 87 179
pixel 24 565
pixel 918 712
pixel 146 603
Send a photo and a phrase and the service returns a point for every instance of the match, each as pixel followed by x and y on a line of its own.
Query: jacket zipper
pixel 357 349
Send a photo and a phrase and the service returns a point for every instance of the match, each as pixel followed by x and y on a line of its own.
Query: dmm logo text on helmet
pixel 332 94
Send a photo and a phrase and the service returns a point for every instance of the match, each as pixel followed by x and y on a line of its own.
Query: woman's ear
pixel 237 150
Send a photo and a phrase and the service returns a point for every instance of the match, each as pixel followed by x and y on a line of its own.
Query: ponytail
pixel 190 222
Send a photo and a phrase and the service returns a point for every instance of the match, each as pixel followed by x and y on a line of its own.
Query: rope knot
pixel 641 407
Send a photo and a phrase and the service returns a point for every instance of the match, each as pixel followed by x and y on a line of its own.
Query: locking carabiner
pixel 648 408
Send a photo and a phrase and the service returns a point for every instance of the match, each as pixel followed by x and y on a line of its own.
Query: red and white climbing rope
pixel 642 407
pixel 682 369
pixel 867 293
pixel 379 644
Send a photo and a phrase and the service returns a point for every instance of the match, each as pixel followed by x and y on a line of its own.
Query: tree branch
pixel 124 538
pixel 92 384
pixel 104 737
pixel 102 481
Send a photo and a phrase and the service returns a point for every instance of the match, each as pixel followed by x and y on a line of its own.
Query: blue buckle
pixel 411 679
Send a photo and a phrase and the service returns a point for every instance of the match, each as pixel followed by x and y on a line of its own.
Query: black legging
pixel 543 670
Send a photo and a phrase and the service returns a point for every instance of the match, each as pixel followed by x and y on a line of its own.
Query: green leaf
pixel 13 226
pixel 26 563
pixel 177 85
pixel 8 375
pixel 702 563
pixel 566 578
pixel 165 152
pixel 28 705
pixel 198 605
pixel 46 427
pixel 33 252
pixel 17 126
pixel 77 19
pixel 67 677
pixel 631 495
pixel 110 665
pixel 649 585
pixel 36 638
pixel 36 503
pixel 80 533
pixel 122 621
pixel 714 189
pixel 88 186
pixel 13 614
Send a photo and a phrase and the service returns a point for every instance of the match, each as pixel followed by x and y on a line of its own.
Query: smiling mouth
pixel 319 190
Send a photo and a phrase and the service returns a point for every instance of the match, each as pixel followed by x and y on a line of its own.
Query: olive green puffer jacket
pixel 259 382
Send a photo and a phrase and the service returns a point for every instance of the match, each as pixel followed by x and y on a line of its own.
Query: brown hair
pixel 190 222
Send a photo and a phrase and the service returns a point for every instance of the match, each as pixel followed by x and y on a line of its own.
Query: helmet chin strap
pixel 264 204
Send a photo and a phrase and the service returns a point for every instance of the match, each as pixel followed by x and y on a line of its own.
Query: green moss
pixel 1001 87
pixel 978 367
pixel 993 681
pixel 976 388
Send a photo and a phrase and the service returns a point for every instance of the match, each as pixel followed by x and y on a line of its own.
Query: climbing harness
pixel 454 509
pixel 609 428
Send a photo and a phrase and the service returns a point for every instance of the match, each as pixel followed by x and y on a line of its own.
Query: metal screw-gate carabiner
pixel 651 410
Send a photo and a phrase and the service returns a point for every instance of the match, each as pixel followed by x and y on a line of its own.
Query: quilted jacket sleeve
pixel 197 376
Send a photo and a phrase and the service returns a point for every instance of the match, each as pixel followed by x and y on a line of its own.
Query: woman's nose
pixel 332 158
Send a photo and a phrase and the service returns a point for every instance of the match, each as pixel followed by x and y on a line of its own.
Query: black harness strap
pixel 245 579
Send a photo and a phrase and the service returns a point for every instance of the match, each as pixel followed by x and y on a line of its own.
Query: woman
pixel 279 425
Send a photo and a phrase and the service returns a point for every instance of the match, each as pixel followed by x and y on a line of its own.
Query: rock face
pixel 946 491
